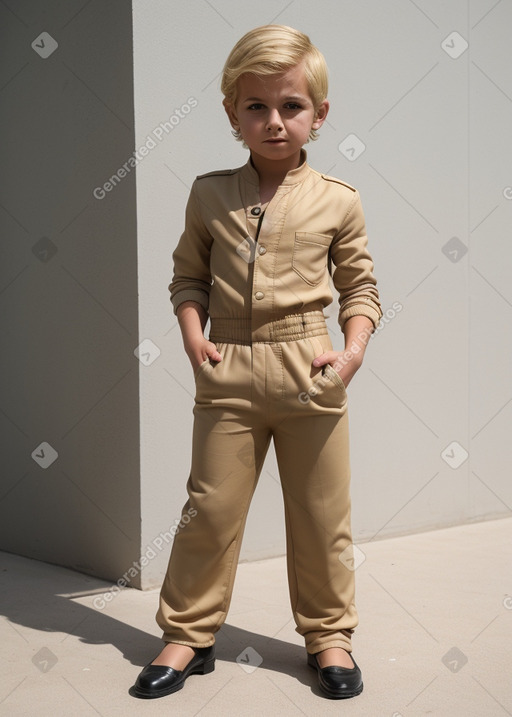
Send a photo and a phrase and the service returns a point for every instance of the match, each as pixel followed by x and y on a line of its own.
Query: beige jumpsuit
pixel 262 275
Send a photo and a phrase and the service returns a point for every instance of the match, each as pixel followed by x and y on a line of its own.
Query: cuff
pixel 371 312
pixel 200 297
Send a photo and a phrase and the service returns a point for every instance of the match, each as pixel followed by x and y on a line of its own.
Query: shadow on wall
pixel 68 287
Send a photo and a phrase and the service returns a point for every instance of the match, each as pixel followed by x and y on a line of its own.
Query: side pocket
pixel 334 376
pixel 201 368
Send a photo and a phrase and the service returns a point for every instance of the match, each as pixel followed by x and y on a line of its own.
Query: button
pixel 259 295
pixel 256 211
pixel 262 250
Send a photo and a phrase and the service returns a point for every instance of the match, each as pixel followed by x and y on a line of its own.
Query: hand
pixel 192 320
pixel 200 350
pixel 345 363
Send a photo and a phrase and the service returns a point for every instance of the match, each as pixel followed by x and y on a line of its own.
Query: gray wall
pixel 433 119
pixel 68 287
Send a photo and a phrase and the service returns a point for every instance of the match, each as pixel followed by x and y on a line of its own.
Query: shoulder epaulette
pixel 217 173
pixel 338 181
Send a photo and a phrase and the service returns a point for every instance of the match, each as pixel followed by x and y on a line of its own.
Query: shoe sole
pixel 204 669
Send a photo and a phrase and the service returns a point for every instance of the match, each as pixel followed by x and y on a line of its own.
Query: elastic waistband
pixel 289 328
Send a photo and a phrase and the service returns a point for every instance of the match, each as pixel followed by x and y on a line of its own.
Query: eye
pixel 255 106
pixel 293 106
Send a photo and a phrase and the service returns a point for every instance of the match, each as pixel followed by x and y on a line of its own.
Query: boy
pixel 254 258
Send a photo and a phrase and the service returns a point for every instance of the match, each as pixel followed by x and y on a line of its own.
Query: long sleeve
pixel 192 276
pixel 353 275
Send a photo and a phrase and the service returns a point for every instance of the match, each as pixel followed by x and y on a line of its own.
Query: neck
pixel 274 171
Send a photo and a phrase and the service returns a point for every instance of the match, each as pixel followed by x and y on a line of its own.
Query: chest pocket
pixel 310 256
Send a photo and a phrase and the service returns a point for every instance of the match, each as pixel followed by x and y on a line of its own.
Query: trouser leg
pixel 312 449
pixel 227 455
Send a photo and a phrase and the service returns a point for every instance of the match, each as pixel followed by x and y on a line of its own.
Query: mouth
pixel 275 140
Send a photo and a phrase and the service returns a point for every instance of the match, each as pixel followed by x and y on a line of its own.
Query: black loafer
pixel 159 680
pixel 338 682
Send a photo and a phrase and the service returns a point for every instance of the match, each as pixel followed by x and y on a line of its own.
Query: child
pixel 255 258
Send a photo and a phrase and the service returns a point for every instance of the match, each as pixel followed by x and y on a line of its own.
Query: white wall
pixel 436 166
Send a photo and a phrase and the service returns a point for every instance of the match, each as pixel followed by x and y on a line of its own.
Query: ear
pixel 231 113
pixel 320 115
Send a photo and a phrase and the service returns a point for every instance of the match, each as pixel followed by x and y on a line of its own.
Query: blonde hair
pixel 272 49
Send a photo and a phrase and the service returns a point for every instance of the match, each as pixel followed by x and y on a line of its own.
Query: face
pixel 274 114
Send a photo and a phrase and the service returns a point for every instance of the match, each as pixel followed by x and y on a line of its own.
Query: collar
pixel 294 176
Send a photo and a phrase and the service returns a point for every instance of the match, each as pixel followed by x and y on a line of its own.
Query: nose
pixel 274 121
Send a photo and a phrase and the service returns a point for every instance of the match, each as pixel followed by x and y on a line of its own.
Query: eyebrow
pixel 293 98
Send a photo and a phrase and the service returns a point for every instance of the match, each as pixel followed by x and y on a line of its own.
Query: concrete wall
pixel 419 123
pixel 68 287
